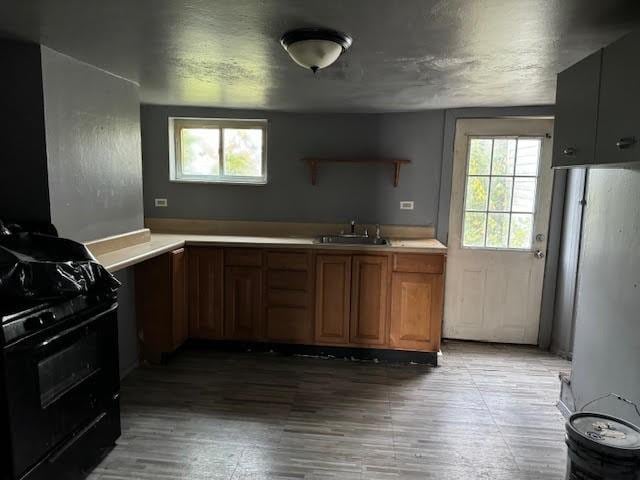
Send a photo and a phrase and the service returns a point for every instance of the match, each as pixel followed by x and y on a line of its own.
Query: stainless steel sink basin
pixel 352 240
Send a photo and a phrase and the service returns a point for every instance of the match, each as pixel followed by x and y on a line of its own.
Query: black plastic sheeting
pixel 40 267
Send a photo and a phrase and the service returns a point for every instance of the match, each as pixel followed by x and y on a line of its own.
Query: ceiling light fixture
pixel 315 48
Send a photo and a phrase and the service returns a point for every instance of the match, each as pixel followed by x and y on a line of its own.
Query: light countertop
pixel 165 242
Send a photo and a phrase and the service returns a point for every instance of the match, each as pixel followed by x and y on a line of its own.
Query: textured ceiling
pixel 407 54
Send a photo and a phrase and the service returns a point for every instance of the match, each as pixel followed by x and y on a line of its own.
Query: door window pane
pixel 528 157
pixel 504 156
pixel 480 156
pixel 243 152
pixel 200 153
pixel 474 229
pixel 521 230
pixel 498 230
pixel 500 192
pixel 477 193
pixel 500 200
pixel 524 194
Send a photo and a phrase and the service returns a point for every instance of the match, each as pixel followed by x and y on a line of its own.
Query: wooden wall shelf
pixel 314 163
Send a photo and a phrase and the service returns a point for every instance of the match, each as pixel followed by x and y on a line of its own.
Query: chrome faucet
pixel 377 230
pixel 353 227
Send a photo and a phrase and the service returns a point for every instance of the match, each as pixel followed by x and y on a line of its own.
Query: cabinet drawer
pixel 242 257
pixel 288 260
pixel 290 280
pixel 419 263
pixel 287 298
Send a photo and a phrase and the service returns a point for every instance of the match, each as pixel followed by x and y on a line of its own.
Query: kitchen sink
pixel 352 240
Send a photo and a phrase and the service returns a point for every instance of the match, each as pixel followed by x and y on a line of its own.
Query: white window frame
pixel 176 124
pixel 490 176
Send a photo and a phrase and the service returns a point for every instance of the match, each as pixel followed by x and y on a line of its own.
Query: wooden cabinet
pixel 416 311
pixel 243 294
pixel 343 298
pixel 369 283
pixel 205 292
pixel 333 298
pixel 576 113
pixel 417 296
pixel 161 304
pixel 289 293
pixel 619 108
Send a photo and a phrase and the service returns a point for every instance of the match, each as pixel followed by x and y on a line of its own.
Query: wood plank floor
pixel 488 412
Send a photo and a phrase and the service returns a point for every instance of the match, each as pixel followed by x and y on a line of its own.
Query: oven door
pixel 58 380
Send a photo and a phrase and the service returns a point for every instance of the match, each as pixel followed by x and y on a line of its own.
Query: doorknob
pixel 539 254
pixel 540 237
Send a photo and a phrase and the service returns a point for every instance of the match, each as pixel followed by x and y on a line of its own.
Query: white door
pixel 498 226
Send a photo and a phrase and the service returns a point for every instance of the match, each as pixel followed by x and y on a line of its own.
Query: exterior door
pixel 498 226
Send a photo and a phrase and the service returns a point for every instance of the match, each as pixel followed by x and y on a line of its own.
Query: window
pixel 500 194
pixel 218 150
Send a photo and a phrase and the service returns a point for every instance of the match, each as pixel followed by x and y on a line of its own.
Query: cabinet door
pixel 576 113
pixel 619 112
pixel 333 298
pixel 369 299
pixel 205 274
pixel 180 320
pixel 416 311
pixel 242 303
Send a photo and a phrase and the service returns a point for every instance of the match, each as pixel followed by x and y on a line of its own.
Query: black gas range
pixel 59 388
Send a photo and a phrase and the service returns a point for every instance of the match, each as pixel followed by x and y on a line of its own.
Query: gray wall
pixel 92 123
pixel 563 323
pixel 606 352
pixel 343 191
pixel 94 163
pixel 24 191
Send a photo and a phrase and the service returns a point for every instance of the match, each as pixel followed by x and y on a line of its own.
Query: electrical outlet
pixel 161 202
pixel 406 205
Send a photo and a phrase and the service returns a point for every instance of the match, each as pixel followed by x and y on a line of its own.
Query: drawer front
pixel 243 257
pixel 418 263
pixel 288 260
pixel 289 280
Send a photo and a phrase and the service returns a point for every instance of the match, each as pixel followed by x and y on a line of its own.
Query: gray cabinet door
pixel 574 142
pixel 619 112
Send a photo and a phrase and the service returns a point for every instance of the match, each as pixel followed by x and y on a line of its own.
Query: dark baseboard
pixel 365 354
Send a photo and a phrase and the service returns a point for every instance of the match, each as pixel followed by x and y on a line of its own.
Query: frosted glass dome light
pixel 315 48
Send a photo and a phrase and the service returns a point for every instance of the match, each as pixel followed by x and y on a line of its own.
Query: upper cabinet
pixel 577 113
pixel 619 112
pixel 598 109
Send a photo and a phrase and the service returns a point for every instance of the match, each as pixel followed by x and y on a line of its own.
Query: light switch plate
pixel 406 205
pixel 161 202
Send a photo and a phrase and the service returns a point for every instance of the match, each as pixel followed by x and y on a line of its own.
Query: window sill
pixel 257 183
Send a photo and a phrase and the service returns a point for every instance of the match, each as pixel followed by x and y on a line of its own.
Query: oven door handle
pixel 66 332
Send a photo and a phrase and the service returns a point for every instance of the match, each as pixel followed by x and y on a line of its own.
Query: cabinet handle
pixel 625 142
pixel 569 151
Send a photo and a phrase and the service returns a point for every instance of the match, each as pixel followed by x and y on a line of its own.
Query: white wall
pixel 606 355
